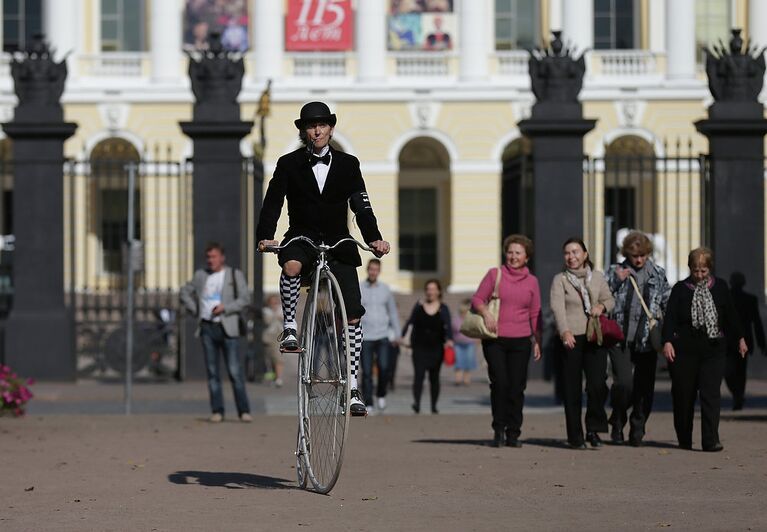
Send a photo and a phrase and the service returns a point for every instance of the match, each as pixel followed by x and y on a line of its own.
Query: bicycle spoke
pixel 326 389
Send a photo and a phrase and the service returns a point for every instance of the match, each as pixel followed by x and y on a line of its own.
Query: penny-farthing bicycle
pixel 323 374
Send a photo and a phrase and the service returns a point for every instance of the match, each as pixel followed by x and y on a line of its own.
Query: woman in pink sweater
pixel 519 333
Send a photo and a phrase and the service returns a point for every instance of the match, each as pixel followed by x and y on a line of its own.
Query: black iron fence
pixel 96 240
pixel 665 197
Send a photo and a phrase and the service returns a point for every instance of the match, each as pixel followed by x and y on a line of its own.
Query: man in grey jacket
pixel 380 326
pixel 216 296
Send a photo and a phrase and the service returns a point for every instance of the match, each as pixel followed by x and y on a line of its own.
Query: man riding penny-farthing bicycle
pixel 320 185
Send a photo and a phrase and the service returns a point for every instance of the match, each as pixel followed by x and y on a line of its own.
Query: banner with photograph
pixel 227 17
pixel 423 25
pixel 319 25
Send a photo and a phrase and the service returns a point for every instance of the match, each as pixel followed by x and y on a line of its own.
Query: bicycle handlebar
pixel 317 247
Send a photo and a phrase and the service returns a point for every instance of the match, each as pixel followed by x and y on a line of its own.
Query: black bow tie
pixel 325 159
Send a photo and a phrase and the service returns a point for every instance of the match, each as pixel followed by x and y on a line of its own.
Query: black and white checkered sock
pixel 289 290
pixel 355 349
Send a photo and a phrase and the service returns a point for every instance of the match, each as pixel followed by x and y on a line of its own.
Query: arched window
pixel 630 185
pixel 109 193
pixel 517 188
pixel 424 207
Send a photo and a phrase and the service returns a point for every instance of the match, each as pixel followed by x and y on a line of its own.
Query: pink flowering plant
pixel 14 392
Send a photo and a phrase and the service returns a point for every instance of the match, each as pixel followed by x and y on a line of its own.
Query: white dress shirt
pixel 321 169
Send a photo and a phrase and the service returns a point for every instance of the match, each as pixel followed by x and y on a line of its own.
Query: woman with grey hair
pixel 641 292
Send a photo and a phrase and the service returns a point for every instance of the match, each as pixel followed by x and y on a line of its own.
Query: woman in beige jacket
pixel 577 293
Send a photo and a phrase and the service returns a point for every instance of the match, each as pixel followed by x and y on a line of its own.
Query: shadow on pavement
pixel 229 480
pixel 456 441
pixel 746 417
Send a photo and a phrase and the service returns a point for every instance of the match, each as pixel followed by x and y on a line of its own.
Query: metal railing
pixel 331 65
pixel 623 63
pixel 114 64
pixel 417 64
pixel 513 63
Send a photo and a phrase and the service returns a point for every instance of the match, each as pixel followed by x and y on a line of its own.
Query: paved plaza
pixel 74 463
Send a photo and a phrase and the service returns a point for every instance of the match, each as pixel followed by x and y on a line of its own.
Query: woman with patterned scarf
pixel 577 293
pixel 699 315
pixel 637 284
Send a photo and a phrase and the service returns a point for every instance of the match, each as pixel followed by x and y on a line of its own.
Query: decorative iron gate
pixel 96 233
pixel 665 197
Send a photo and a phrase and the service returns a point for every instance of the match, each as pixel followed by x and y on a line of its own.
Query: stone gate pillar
pixel 39 339
pixel 556 129
pixel 735 128
pixel 216 131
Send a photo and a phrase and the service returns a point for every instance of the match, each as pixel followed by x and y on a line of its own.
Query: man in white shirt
pixel 217 295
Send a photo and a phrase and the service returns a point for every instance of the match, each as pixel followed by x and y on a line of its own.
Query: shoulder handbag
pixel 655 333
pixel 473 324
pixel 603 331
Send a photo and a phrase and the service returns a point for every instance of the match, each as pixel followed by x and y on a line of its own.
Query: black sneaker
pixel 594 439
pixel 356 405
pixel 289 341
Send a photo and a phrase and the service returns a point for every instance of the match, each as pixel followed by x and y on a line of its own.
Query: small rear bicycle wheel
pixel 324 383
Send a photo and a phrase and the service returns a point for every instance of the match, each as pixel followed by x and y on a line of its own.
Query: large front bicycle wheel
pixel 324 398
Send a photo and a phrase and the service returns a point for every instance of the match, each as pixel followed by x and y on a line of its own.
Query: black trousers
pixel 633 386
pixel 589 360
pixel 507 361
pixel 697 370
pixel 426 359
pixel 735 372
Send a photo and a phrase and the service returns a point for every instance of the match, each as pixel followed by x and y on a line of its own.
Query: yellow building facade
pixel 431 128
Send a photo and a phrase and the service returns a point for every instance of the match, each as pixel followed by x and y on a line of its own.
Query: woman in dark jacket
pixel 431 333
pixel 700 314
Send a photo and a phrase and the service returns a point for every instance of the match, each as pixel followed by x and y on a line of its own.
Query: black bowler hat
pixel 315 112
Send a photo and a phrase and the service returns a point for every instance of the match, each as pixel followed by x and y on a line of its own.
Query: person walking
pixel 747 308
pixel 321 184
pixel 430 333
pixel 215 296
pixel 518 327
pixel 636 283
pixel 700 318
pixel 380 327
pixel 465 347
pixel 577 293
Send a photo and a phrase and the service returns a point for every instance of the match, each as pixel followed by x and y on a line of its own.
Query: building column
pixel 555 16
pixel 165 40
pixel 757 28
pixel 578 27
pixel 657 26
pixel 62 28
pixel 473 39
pixel 680 40
pixel 371 41
pixel 268 38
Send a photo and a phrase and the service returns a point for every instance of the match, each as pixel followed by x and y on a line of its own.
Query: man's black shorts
pixel 346 274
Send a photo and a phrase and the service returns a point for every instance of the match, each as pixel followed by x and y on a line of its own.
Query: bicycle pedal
pixel 292 351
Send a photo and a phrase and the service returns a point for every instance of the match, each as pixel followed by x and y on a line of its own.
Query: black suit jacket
pixel 319 216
